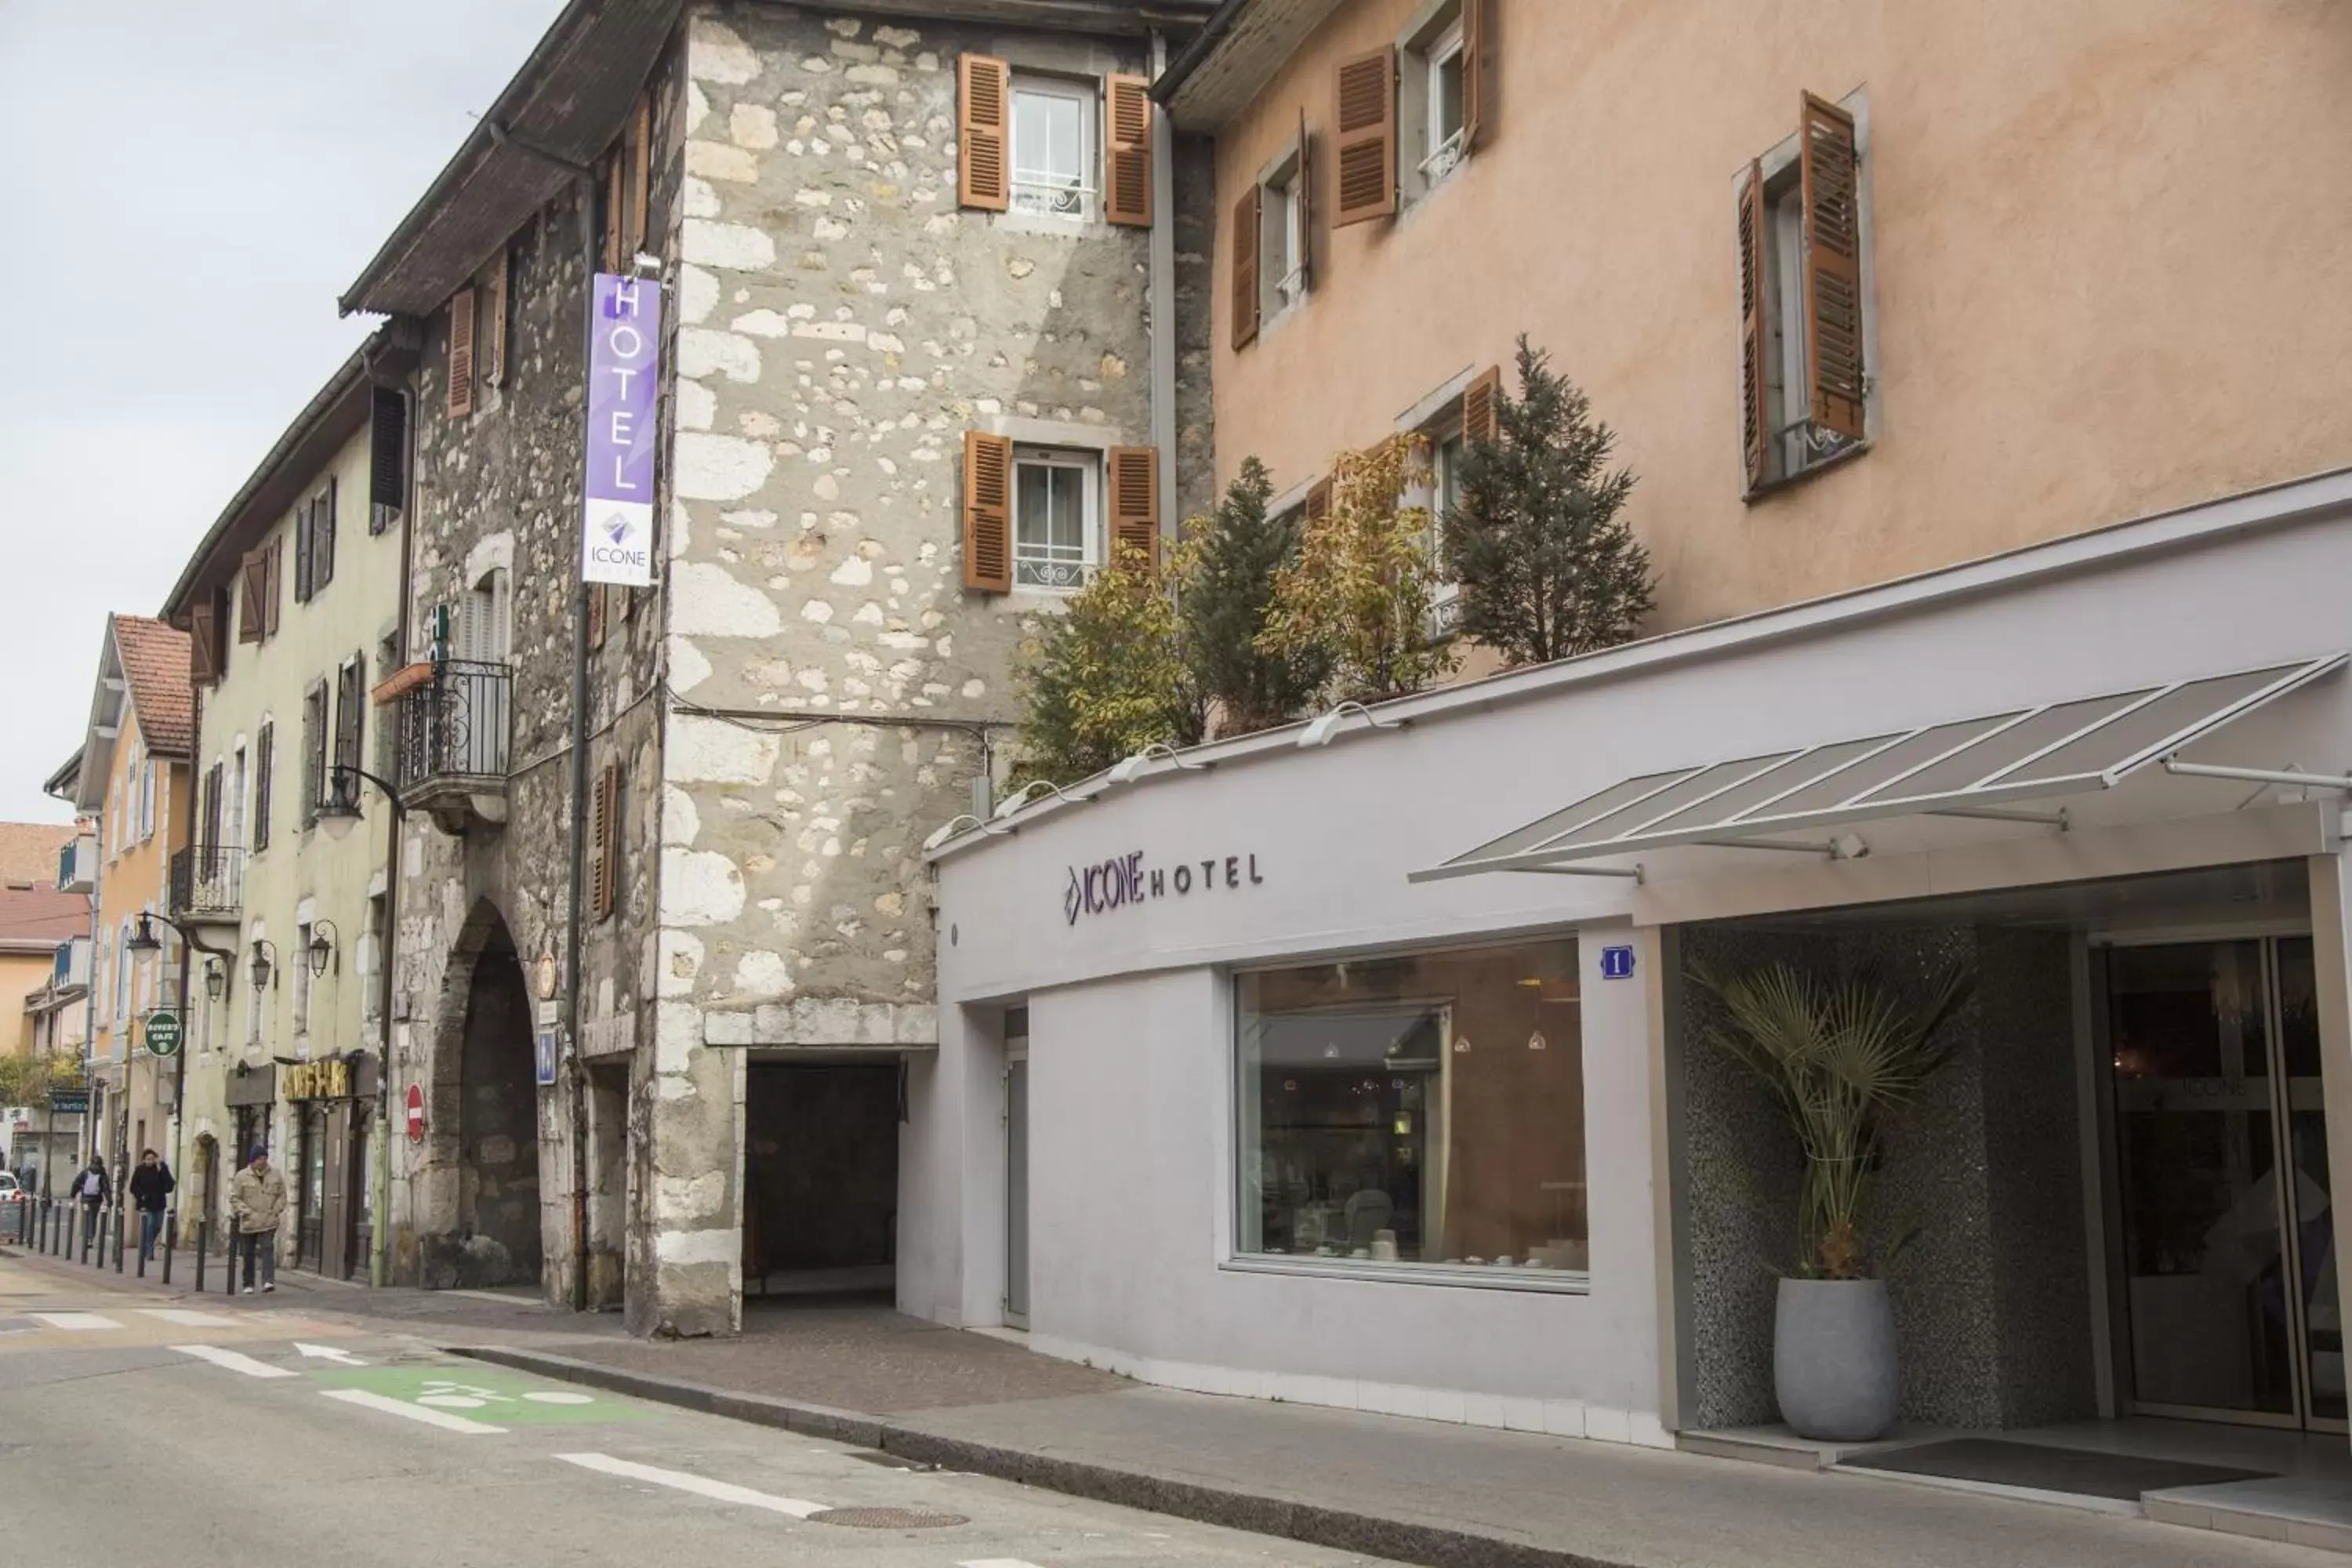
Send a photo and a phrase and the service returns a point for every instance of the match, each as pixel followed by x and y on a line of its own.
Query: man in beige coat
pixel 257 1207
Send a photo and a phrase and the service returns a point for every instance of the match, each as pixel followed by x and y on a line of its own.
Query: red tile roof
pixel 40 916
pixel 28 850
pixel 155 667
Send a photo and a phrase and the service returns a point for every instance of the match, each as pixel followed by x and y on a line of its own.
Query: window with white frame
pixel 1053 151
pixel 1056 517
pixel 1434 58
pixel 1443 493
pixel 1282 239
pixel 301 980
pixel 1442 131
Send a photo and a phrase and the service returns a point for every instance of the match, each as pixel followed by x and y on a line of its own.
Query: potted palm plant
pixel 1838 1055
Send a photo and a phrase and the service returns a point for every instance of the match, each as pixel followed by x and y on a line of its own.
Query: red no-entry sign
pixel 417 1114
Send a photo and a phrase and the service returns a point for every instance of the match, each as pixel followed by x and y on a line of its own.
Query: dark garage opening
pixel 820 1180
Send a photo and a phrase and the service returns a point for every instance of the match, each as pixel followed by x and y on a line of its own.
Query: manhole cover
pixel 887 1518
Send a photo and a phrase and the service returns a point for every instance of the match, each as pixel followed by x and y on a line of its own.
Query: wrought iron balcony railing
pixel 450 731
pixel 207 882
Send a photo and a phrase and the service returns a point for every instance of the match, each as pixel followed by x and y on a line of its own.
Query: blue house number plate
pixel 1616 964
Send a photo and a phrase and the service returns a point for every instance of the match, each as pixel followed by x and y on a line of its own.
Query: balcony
pixel 450 731
pixel 208 883
pixel 78 864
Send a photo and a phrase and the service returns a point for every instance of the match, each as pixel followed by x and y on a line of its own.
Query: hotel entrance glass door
pixel 2221 1163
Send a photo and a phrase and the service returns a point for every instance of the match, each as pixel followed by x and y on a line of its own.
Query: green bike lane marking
pixel 487 1394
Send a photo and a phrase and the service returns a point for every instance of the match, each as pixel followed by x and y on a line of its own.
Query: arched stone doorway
pixel 484 1064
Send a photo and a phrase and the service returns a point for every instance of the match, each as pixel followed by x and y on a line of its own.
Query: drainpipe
pixel 578 813
pixel 1162 295
pixel 380 1254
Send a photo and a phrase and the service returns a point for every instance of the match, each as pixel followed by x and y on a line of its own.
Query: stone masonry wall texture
pixel 833 688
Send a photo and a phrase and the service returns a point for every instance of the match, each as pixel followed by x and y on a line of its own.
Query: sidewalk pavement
pixel 1412 1491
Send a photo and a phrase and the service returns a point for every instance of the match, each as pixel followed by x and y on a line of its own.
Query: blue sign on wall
pixel 550 1049
pixel 1616 964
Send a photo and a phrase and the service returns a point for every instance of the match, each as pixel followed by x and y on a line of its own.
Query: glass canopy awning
pixel 1982 767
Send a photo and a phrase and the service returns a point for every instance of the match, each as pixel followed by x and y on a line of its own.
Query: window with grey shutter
pixel 387 458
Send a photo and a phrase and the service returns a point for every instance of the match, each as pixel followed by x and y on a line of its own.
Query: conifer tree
pixel 1223 606
pixel 1547 565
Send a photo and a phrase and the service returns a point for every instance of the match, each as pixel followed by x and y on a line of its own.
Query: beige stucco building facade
pixel 2057 337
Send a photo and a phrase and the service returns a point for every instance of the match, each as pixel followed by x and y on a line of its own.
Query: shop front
pixel 329 1101
pixel 1369 1063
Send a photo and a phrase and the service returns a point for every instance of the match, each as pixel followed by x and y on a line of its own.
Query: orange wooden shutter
pixel 1366 121
pixel 252 614
pixel 1833 269
pixel 1135 503
pixel 1479 421
pixel 461 354
pixel 987 512
pixel 596 615
pixel 1303 182
pixel 1245 277
pixel 1318 500
pixel 604 832
pixel 640 173
pixel 204 645
pixel 494 369
pixel 1126 160
pixel 616 206
pixel 1755 407
pixel 273 578
pixel 983 132
pixel 1478 51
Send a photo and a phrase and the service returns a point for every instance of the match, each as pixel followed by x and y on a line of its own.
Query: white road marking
pixel 389 1406
pixel 188 1318
pixel 721 1491
pixel 559 1397
pixel 76 1322
pixel 329 1353
pixel 234 1361
pixel 996 1563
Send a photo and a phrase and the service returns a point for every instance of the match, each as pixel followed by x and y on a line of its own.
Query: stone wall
pixel 835 690
pixel 1992 1298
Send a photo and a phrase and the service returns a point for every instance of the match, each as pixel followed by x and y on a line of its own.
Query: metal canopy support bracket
pixel 2056 819
pixel 1635 874
pixel 2290 776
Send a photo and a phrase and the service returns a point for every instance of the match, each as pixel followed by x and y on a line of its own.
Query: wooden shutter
pixel 304 521
pixel 494 351
pixel 1303 182
pixel 1247 215
pixel 1366 123
pixel 596 615
pixel 203 644
pixel 387 454
pixel 322 539
pixel 987 512
pixel 1318 500
pixel 603 835
pixel 1833 269
pixel 641 141
pixel 1478 421
pixel 1135 503
pixel 1477 56
pixel 270 585
pixel 1755 406
pixel 1127 158
pixel 461 354
pixel 983 132
pixel 253 580
pixel 265 759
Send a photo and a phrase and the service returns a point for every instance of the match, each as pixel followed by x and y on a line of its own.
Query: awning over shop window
pixel 1991 766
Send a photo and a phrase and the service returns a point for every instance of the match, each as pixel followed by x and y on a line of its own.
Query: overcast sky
pixel 189 187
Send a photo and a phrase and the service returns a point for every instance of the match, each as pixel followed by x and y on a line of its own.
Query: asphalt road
pixel 134 1435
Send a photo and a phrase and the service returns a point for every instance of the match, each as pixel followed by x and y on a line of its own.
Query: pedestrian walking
pixel 257 1207
pixel 150 1184
pixel 93 1189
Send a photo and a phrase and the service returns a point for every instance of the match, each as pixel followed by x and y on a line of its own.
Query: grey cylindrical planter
pixel 1833 1364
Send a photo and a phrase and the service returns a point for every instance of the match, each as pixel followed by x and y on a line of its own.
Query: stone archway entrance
pixel 486 1059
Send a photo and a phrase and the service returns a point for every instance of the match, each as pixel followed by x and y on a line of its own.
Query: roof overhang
pixel 2010 766
pixel 336 412
pixel 1236 54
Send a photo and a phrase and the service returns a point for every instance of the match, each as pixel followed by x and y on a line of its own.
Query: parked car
pixel 14 1203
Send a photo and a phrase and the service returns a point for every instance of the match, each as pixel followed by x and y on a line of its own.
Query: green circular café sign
pixel 162 1032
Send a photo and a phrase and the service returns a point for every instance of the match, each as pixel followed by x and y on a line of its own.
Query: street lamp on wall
pixel 216 979
pixel 265 957
pixel 323 937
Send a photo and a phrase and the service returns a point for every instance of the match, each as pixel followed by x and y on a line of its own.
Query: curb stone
pixel 1260 1513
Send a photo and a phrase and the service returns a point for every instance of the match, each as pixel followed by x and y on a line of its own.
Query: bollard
pixel 118 1236
pixel 87 1215
pixel 171 1235
pixel 203 1232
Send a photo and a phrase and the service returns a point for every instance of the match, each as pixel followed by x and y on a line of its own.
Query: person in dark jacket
pixel 93 1189
pixel 150 1184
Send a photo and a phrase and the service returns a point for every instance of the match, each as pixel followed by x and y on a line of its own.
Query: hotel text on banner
pixel 616 542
